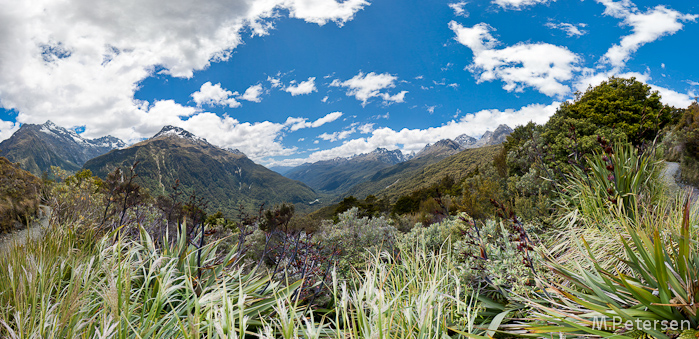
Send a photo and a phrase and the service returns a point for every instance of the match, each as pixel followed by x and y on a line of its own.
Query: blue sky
pixel 291 81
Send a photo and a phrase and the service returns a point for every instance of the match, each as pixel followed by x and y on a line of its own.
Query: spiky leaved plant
pixel 661 285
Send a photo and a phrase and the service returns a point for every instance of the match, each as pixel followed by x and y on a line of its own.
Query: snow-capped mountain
pixel 38 147
pixel 174 131
pixel 336 175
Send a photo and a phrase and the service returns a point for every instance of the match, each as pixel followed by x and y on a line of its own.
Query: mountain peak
pixel 503 129
pixel 465 140
pixel 40 146
pixel 49 124
pixel 174 131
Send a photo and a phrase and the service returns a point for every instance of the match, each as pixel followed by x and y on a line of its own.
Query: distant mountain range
pixel 225 178
pixel 339 174
pixel 38 147
pixel 348 176
pixel 404 178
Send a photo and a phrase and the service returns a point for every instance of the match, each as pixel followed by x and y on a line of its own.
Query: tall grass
pixel 660 283
pixel 416 296
pixel 620 186
pixel 63 287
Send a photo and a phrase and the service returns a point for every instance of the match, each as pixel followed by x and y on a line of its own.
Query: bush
pixel 357 237
pixel 19 195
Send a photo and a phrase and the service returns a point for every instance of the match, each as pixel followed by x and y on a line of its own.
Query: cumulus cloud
pixel 79 62
pixel 539 65
pixel 258 140
pixel 646 26
pixel 366 128
pixel 320 12
pixel 408 140
pixel 518 4
pixel 366 86
pixel 253 93
pixel 7 128
pixel 674 98
pixel 303 87
pixel 214 95
pixel 571 30
pixel 299 123
pixel 458 8
pixel 335 136
pixel 274 82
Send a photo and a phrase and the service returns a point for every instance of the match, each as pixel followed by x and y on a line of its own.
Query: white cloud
pixel 673 98
pixel 366 86
pixel 79 62
pixel 325 99
pixel 458 8
pixel 518 4
pixel 335 136
pixel 647 27
pixel 322 11
pixel 252 93
pixel 7 128
pixel 539 65
pixel 299 123
pixel 257 140
pixel 274 82
pixel 430 109
pixel 304 87
pixel 214 95
pixel 366 128
pixel 570 29
pixel 408 140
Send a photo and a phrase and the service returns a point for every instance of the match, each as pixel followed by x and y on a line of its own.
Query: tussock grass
pixel 62 286
pixel 65 286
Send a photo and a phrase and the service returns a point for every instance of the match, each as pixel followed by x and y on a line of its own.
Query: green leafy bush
pixel 356 237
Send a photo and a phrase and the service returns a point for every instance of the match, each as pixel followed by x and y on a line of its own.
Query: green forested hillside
pixel 221 177
pixel 417 173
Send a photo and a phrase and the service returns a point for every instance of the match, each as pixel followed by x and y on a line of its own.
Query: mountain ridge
pixel 223 178
pixel 38 147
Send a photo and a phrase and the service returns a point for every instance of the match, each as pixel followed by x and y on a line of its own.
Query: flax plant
pixel 61 287
pixel 660 284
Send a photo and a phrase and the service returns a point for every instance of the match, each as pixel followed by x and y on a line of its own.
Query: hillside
pixel 417 173
pixel 19 195
pixel 223 177
pixel 338 175
pixel 38 147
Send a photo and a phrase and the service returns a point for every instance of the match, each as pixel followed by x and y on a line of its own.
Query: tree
pixel 617 109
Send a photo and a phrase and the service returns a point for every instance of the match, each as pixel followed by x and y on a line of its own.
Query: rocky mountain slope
pixel 225 178
pixel 38 147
